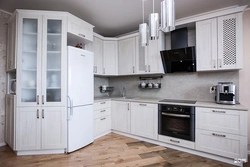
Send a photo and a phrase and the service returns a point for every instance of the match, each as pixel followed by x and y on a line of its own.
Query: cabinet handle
pixel 143 104
pixel 37 99
pixel 219 111
pixel 82 35
pixel 43 113
pixel 102 119
pixel 103 111
pixel 37 113
pixel 214 63
pixel 103 70
pixel 220 63
pixel 219 135
pixel 133 69
pixel 42 99
pixel 175 141
pixel 103 102
pixel 146 68
pixel 128 106
pixel 95 69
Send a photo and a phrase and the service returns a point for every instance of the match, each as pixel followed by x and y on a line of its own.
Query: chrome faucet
pixel 123 92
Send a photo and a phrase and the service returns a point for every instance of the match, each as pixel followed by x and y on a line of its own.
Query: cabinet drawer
pixel 102 125
pixel 102 112
pixel 102 104
pixel 175 141
pixel 226 121
pixel 224 144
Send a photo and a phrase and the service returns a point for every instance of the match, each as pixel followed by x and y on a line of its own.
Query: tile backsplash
pixel 193 86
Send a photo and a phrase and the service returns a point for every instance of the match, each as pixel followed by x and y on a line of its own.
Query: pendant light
pixel 153 24
pixel 167 15
pixel 143 30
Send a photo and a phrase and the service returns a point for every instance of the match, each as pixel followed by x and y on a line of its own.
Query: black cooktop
pixel 178 101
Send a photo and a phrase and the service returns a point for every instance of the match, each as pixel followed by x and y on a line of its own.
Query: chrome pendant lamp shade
pixel 153 25
pixel 167 15
pixel 143 30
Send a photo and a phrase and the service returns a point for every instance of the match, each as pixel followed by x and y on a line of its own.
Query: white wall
pixel 3 36
pixel 244 75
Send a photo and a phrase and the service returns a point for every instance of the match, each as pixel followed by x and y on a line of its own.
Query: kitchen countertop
pixel 205 104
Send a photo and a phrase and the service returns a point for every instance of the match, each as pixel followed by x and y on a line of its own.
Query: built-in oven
pixel 177 121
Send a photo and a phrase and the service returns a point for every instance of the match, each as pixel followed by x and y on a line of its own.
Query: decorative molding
pixel 210 14
pixel 1 10
pixel 3 144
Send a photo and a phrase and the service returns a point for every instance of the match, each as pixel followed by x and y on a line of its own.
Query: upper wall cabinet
pixel 219 43
pixel 97 48
pixel 80 28
pixel 148 59
pixel 110 58
pixel 127 52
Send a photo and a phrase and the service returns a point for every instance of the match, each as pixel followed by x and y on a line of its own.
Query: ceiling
pixel 116 17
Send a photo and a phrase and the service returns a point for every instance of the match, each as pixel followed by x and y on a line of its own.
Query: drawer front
pixel 223 144
pixel 102 104
pixel 227 121
pixel 102 125
pixel 102 112
pixel 175 141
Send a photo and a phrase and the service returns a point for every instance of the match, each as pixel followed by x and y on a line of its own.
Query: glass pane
pixel 53 88
pixel 29 60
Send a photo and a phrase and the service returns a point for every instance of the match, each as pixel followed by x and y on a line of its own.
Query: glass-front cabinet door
pixel 54 68
pixel 29 58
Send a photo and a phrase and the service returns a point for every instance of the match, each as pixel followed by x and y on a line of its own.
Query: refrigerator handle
pixel 70 106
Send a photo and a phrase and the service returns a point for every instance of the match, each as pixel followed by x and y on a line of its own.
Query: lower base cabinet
pixel 41 128
pixel 175 141
pixel 144 120
pixel 226 145
pixel 121 116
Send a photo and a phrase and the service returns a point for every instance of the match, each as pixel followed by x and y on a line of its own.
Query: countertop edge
pixel 205 104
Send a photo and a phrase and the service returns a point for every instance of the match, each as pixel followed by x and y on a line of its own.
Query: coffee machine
pixel 225 93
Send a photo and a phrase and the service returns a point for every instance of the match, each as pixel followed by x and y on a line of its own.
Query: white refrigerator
pixel 80 96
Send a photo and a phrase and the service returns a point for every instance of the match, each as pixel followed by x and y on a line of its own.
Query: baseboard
pixel 3 144
pixel 40 152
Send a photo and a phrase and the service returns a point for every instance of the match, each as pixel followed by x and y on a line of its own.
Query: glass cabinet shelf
pixel 54 52
pixel 54 70
pixel 53 87
pixel 54 34
pixel 29 33
pixel 29 51
pixel 31 70
pixel 29 88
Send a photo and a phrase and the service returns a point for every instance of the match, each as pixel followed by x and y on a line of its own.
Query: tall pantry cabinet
pixel 40 75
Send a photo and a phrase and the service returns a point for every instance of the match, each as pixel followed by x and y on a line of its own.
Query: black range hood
pixel 180 57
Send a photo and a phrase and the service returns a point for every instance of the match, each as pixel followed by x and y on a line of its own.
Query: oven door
pixel 176 125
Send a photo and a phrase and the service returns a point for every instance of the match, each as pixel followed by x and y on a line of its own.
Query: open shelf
pixel 150 82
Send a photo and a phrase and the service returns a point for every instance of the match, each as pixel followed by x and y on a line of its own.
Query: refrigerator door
pixel 80 76
pixel 80 128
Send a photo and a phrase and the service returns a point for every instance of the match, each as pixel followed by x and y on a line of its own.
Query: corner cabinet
pixel 40 107
pixel 110 57
pixel 219 43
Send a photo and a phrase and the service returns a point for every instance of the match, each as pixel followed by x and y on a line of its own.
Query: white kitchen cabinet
pixel 221 132
pixel 80 28
pixel 176 141
pixel 144 120
pixel 148 58
pixel 120 116
pixel 219 43
pixel 41 75
pixel 110 58
pixel 10 120
pixel 11 44
pixel 39 111
pixel 126 58
pixel 224 144
pixel 38 129
pixel 54 127
pixel 102 118
pixel 97 48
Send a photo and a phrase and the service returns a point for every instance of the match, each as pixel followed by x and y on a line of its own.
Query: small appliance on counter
pixel 225 93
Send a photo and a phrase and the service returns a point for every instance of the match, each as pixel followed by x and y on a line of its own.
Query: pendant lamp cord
pixel 143 11
pixel 153 6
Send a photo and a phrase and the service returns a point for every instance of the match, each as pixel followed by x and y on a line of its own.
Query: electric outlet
pixel 212 89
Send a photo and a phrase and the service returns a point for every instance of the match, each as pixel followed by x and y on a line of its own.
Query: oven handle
pixel 176 115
